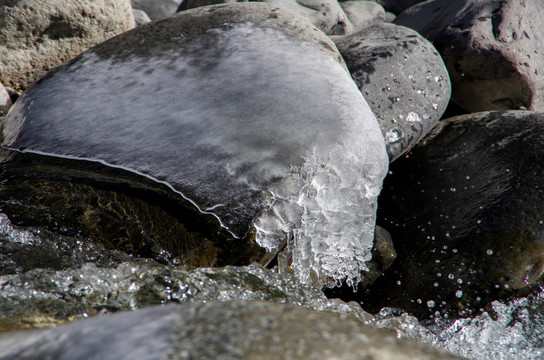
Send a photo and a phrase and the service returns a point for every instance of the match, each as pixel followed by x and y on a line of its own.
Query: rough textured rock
pixel 215 330
pixel 44 297
pixel 492 50
pixel 397 6
pixel 155 8
pixel 5 101
pixel 326 15
pixel 251 141
pixel 403 80
pixel 363 14
pixel 465 213
pixel 36 36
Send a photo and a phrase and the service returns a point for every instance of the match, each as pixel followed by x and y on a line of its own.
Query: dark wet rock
pixel 363 14
pixel 36 36
pixel 465 211
pixel 241 148
pixel 45 297
pixel 5 101
pixel 403 79
pixel 492 50
pixel 256 330
pixel 326 15
pixel 140 17
pixel 397 6
pixel 155 8
pixel 13 94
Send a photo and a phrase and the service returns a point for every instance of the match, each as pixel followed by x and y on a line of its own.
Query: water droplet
pixel 489 252
pixel 459 281
pixel 458 294
pixel 451 276
pixel 467 177
pixel 435 284
pixel 438 274
pixel 453 189
pixel 398 282
pixel 435 106
pixel 419 301
pixel 431 304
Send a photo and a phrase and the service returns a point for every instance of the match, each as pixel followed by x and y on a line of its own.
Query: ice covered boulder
pixel 36 36
pixel 465 211
pixel 245 111
pixel 403 79
pixel 492 50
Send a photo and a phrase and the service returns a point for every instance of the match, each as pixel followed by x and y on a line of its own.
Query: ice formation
pixel 259 128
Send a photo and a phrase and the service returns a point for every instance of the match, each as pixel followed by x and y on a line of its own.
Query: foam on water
pixel 512 330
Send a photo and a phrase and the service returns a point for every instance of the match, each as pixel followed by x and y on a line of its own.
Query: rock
pixel 5 101
pixel 362 14
pixel 155 8
pixel 261 147
pixel 397 6
pixel 491 49
pixel 465 213
pixel 326 15
pixel 45 297
pixel 140 17
pixel 402 78
pixel 36 36
pixel 228 330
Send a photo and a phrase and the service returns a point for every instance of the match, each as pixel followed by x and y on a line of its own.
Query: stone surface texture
pixel 36 36
pixel 363 14
pixel 403 79
pixel 326 15
pixel 216 330
pixel 492 49
pixel 465 214
pixel 155 8
pixel 5 101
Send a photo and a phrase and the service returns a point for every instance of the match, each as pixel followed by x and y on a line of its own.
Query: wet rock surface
pixel 403 79
pixel 465 213
pixel 254 330
pixel 253 140
pixel 5 100
pixel 328 16
pixel 491 49
pixel 397 6
pixel 37 36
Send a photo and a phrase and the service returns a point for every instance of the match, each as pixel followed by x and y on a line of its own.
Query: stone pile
pixel 291 113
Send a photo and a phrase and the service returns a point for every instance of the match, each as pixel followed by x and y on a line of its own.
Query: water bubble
pixel 431 304
pixel 438 274
pixel 451 276
pixel 459 281
pixel 419 301
pixel 436 284
pixel 435 106
pixel 489 252
pixel 398 282
pixel 458 294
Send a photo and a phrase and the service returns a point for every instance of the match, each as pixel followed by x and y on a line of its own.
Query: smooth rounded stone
pixel 272 146
pixel 403 80
pixel 156 8
pixel 36 36
pixel 45 298
pixel 363 14
pixel 327 15
pixel 397 6
pixel 492 50
pixel 226 330
pixel 5 100
pixel 140 17
pixel 465 211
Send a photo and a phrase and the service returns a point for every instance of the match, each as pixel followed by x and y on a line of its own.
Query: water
pixel 511 330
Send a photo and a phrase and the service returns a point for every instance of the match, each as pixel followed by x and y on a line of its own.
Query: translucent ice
pixel 261 129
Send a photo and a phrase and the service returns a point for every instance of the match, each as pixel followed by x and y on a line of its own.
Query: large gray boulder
pixel 403 79
pixel 397 6
pixel 327 15
pixel 215 330
pixel 156 8
pixel 491 49
pixel 363 14
pixel 36 36
pixel 256 125
pixel 465 214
